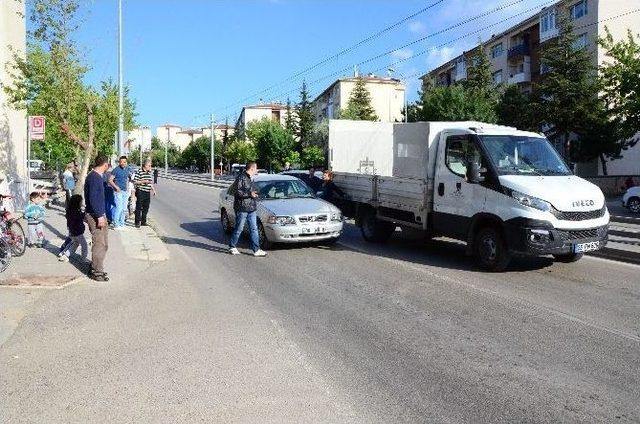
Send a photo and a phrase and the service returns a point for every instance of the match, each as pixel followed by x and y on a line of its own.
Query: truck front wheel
pixel 491 250
pixel 375 231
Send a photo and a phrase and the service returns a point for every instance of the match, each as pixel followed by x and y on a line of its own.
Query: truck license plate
pixel 586 247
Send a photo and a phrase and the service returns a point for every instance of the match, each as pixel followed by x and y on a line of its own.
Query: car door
pixel 456 200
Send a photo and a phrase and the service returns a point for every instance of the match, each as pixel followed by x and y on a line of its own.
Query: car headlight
pixel 530 201
pixel 336 216
pixel 281 220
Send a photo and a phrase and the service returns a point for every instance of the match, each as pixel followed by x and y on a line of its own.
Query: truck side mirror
pixel 475 173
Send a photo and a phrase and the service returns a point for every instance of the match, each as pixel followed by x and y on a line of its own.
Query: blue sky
pixel 187 58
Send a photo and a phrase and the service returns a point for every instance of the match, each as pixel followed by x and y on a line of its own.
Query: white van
pixel 503 191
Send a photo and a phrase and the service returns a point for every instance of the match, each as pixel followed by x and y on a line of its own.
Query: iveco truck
pixel 503 191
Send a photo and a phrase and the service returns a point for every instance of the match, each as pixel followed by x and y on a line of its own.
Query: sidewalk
pixel 38 271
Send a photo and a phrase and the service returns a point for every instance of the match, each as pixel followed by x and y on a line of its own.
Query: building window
pixel 275 115
pixel 578 10
pixel 581 42
pixel 497 77
pixel 548 21
pixel 496 51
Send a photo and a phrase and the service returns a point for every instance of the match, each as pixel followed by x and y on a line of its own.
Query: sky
pixel 186 59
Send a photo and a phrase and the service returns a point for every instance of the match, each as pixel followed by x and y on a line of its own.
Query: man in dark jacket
pixel 96 218
pixel 245 206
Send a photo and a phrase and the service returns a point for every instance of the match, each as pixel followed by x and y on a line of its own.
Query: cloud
pixel 417 27
pixel 402 54
pixel 442 55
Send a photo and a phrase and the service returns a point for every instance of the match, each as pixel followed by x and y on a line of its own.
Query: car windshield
pixel 522 155
pixel 283 189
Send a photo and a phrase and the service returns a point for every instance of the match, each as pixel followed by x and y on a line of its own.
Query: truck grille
pixel 313 218
pixel 579 216
pixel 582 234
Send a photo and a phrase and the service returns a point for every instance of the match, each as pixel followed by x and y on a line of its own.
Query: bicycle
pixel 5 253
pixel 12 231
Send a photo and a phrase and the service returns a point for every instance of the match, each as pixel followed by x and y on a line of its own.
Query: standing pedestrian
pixel 155 175
pixel 35 214
pixel 328 187
pixel 245 206
pixel 75 225
pixel 96 217
pixel 68 182
pixel 109 194
pixel 144 188
pixel 313 181
pixel 121 175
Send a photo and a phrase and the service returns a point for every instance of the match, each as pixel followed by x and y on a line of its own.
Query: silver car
pixel 288 212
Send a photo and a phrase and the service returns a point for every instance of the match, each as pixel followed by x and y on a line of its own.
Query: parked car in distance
pixel 288 212
pixel 631 199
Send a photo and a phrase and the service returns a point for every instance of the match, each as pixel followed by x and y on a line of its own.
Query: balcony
pixel 519 51
pixel 520 78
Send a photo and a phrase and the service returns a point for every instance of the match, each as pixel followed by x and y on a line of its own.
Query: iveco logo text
pixel 579 203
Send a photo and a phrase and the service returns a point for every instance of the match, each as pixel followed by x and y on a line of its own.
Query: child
pixel 35 213
pixel 75 224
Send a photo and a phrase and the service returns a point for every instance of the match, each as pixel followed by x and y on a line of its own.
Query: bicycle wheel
pixel 5 254
pixel 17 239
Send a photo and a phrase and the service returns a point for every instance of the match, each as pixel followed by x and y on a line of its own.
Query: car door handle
pixel 441 189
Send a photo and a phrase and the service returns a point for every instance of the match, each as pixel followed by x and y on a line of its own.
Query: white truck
pixel 503 191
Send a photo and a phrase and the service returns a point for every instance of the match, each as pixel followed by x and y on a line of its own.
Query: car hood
pixel 566 193
pixel 291 207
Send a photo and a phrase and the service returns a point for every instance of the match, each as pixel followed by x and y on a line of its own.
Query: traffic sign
pixel 36 127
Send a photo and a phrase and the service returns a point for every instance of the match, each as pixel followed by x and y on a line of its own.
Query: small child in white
pixel 75 225
pixel 35 214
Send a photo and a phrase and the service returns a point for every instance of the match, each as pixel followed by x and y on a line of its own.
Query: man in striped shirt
pixel 143 181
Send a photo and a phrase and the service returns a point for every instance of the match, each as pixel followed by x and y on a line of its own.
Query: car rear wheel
pixel 634 204
pixel 491 250
pixel 226 222
pixel 568 258
pixel 375 231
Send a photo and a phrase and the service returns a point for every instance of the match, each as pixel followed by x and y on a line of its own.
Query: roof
pixel 274 177
pixel 266 106
pixel 190 131
pixel 169 125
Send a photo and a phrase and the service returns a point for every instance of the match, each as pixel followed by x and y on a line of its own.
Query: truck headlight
pixel 530 201
pixel 336 216
pixel 281 220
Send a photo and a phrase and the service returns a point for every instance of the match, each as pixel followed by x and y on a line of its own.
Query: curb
pixel 75 280
pixel 624 219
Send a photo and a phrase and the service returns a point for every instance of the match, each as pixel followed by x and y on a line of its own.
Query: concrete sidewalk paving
pixel 30 277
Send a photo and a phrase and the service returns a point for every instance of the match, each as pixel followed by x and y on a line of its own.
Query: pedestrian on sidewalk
pixel 109 194
pixel 155 176
pixel 68 182
pixel 96 218
pixel 35 214
pixel 144 187
pixel 75 226
pixel 121 175
pixel 245 206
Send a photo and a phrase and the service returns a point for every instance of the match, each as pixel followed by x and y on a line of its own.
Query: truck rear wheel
pixel 375 231
pixel 491 250
pixel 568 258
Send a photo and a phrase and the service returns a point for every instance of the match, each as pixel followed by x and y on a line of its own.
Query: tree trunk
pixel 603 161
pixel 84 169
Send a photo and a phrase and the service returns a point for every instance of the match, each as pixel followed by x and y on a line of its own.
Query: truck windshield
pixel 521 155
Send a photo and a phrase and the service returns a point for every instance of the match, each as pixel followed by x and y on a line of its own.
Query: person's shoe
pixel 137 225
pixel 63 258
pixel 234 251
pixel 259 253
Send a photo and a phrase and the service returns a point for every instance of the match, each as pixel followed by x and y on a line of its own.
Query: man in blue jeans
pixel 245 206
pixel 121 175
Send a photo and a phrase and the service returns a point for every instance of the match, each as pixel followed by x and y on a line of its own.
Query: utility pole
pixel 213 154
pixel 120 84
pixel 166 151
pixel 141 144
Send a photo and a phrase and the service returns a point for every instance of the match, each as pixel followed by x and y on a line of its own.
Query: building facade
pixel 137 137
pixel 515 54
pixel 13 123
pixel 387 98
pixel 274 111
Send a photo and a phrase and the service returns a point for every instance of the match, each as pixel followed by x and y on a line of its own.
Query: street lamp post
pixel 120 85
pixel 406 98
pixel 166 151
pixel 213 153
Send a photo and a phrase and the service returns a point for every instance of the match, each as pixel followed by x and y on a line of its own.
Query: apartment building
pixel 515 53
pixel 387 98
pixel 13 123
pixel 274 111
pixel 137 137
pixel 219 130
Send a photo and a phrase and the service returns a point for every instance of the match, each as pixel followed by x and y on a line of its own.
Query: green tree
pixel 50 82
pixel 157 156
pixel 515 108
pixel 155 143
pixel 567 94
pixel 455 103
pixel 620 82
pixel 273 142
pixel 294 159
pixel 198 153
pixel 240 151
pixel 359 107
pixel 305 118
pixel 290 120
pixel 312 156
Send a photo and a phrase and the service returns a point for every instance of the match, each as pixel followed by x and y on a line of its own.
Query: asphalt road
pixel 403 332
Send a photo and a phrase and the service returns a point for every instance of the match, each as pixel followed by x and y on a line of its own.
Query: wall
pixel 387 98
pixel 13 133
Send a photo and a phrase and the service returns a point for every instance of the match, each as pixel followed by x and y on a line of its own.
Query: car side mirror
pixel 475 173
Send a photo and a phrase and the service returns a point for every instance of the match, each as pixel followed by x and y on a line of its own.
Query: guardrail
pixel 199 179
